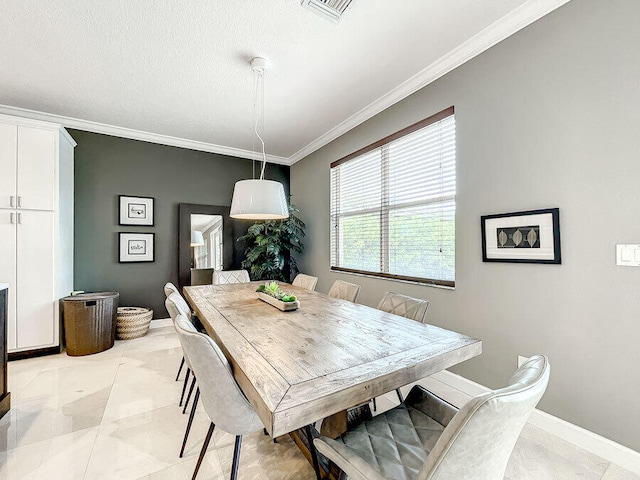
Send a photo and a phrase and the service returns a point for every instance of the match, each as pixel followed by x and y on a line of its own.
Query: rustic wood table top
pixel 300 366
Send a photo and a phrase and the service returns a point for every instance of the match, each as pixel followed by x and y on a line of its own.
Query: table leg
pixel 332 427
pixel 312 450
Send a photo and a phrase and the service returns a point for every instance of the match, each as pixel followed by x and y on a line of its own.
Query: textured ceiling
pixel 181 68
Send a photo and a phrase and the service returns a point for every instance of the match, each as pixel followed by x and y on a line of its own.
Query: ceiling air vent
pixel 331 9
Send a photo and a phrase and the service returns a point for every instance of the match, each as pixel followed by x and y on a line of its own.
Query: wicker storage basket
pixel 133 322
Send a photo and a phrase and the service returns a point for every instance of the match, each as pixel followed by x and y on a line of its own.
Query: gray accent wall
pixel 106 167
pixel 547 118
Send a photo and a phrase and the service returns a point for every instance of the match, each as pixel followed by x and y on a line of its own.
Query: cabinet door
pixel 8 152
pixel 8 270
pixel 35 280
pixel 36 168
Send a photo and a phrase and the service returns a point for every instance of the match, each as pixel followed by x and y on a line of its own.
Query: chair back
pixel 408 307
pixel 186 326
pixel 175 305
pixel 170 288
pixel 305 281
pixel 477 443
pixel 223 277
pixel 223 401
pixel 344 290
pixel 201 276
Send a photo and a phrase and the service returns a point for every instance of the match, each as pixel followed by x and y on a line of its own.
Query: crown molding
pixel 95 127
pixel 30 122
pixel 516 20
pixel 524 15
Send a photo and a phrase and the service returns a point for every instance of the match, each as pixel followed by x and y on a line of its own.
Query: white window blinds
pixel 393 205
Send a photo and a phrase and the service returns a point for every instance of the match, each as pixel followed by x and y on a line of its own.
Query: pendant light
pixel 259 199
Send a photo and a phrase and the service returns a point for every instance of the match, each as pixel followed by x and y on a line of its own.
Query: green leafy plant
pixel 270 245
pixel 273 289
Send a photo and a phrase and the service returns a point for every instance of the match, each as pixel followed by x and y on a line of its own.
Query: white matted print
pixel 136 210
pixel 136 247
pixel 522 237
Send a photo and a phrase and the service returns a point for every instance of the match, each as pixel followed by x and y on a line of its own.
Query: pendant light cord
pixel 259 91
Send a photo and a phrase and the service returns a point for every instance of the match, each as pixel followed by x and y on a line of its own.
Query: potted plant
pixel 270 245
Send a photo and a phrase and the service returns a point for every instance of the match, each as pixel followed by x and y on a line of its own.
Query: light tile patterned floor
pixel 114 415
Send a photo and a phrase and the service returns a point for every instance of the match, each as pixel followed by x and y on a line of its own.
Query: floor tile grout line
pixel 145 412
pixel 95 440
pixel 52 439
pixel 40 398
pixel 103 423
pixel 18 402
pixel 180 462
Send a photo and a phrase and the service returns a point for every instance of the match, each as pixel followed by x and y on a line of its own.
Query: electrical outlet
pixel 521 360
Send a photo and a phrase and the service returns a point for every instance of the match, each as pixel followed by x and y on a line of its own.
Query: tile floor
pixel 114 415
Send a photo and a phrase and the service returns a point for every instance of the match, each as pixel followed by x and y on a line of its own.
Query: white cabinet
pixel 28 157
pixel 36 228
pixel 8 262
pixel 28 261
pixel 36 169
pixel 8 165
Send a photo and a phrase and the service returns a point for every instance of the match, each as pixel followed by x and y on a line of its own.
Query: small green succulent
pixel 273 289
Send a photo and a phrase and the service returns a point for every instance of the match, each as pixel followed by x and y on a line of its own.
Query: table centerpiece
pixel 272 294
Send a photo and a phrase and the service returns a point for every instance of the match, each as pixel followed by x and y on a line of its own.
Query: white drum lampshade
pixel 259 200
pixel 196 238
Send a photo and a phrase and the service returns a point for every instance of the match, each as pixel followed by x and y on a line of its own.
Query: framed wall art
pixel 136 247
pixel 522 237
pixel 136 211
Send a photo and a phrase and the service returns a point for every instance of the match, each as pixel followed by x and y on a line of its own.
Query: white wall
pixel 548 118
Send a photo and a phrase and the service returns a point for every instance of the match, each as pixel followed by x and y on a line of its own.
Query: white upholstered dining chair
pixel 344 290
pixel 426 438
pixel 170 288
pixel 305 281
pixel 178 299
pixel 176 305
pixel 223 277
pixel 223 401
pixel 408 307
pixel 172 304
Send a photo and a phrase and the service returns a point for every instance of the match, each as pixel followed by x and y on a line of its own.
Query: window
pixel 393 205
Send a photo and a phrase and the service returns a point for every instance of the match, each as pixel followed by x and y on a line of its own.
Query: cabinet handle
pixel 19 218
pixel 19 201
pixel 11 201
pixel 13 218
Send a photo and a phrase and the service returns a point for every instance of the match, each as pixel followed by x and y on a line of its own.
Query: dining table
pixel 316 362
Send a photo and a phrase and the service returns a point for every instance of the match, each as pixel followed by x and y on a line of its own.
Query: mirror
pixel 205 242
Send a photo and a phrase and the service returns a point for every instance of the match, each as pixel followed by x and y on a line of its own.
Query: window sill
pixel 425 283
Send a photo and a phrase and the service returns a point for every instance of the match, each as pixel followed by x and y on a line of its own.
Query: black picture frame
pixel 531 236
pixel 138 211
pixel 136 247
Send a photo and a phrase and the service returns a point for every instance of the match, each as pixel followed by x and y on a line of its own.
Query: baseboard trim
pixel 607 449
pixel 161 323
pixel 37 352
pixel 5 404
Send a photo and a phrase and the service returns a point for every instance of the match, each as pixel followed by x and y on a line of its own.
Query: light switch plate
pixel 628 255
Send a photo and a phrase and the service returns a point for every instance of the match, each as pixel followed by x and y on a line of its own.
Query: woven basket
pixel 133 322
